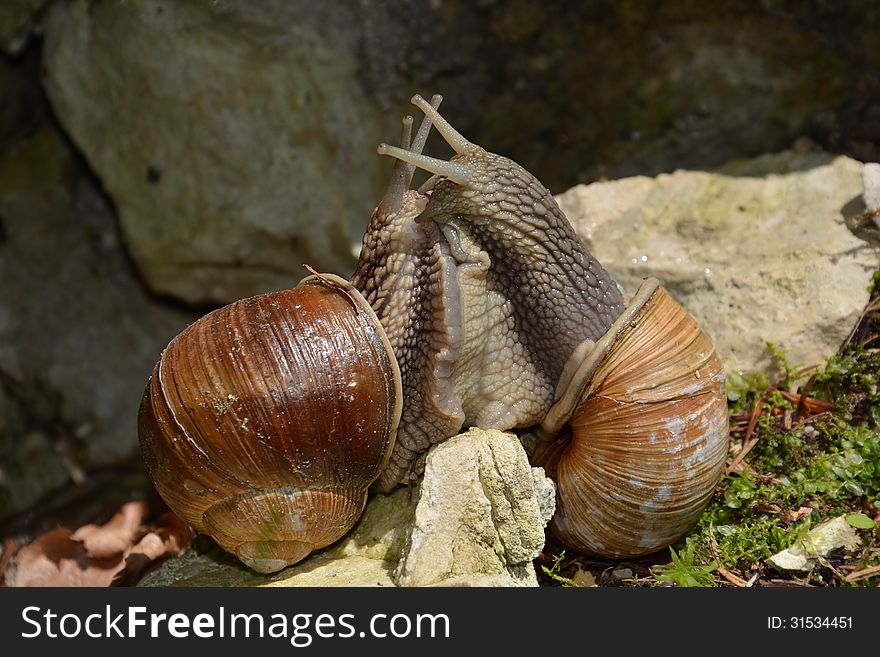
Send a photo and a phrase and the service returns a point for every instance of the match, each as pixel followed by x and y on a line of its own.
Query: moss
pixel 803 469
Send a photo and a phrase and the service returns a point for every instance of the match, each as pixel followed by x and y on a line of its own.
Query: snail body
pixel 478 306
pixel 512 292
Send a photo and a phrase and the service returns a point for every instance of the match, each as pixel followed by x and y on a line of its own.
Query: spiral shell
pixel 637 458
pixel 265 422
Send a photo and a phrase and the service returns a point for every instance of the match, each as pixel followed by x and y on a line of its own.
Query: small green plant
pixel 860 521
pixel 803 467
pixel 553 571
pixel 743 390
pixel 683 571
pixel 780 359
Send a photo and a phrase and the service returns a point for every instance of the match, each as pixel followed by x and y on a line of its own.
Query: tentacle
pixel 454 171
pixel 452 136
pixel 421 137
pixel 400 175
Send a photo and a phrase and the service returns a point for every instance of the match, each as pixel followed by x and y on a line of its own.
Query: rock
pixel 820 541
pixel 479 521
pixel 365 557
pixel 238 140
pixel 871 183
pixel 22 101
pixel 18 20
pixel 622 573
pixel 78 333
pixel 757 251
pixel 234 142
pixel 583 578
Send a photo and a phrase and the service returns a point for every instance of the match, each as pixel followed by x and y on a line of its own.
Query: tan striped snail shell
pixel 637 442
pixel 265 421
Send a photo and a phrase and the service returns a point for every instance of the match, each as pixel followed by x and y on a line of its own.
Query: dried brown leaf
pixel 793 516
pixel 118 552
pixel 116 536
pixel 176 532
pixel 56 559
pixel 172 536
pixel 10 547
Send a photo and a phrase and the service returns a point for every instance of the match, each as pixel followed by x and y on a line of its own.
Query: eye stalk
pixel 457 172
pixel 402 174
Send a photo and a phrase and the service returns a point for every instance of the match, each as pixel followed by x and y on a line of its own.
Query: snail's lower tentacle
pixel 455 171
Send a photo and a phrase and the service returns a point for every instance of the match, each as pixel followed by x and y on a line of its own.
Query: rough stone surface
pixel 365 557
pixel 820 541
pixel 232 139
pixel 238 139
pixel 18 19
pixel 78 333
pixel 757 251
pixel 871 183
pixel 479 520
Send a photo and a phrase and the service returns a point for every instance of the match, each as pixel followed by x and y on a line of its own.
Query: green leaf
pixel 683 571
pixel 860 521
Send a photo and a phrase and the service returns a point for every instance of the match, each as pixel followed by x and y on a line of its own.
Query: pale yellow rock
pixel 481 515
pixel 835 534
pixel 758 251
pixel 366 557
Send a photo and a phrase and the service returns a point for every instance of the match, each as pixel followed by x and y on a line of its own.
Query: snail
pixel 480 307
pixel 265 421
pixel 638 437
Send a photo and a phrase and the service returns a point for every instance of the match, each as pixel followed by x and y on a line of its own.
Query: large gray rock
pixel 78 333
pixel 18 20
pixel 233 139
pixel 758 251
pixel 238 139
pixel 481 515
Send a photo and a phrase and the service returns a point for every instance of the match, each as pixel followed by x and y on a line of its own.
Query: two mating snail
pixel 266 423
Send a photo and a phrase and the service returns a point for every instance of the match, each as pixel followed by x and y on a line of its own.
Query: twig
pixel 753 421
pixel 803 370
pixel 862 574
pixel 810 404
pixel 872 306
pixel 733 579
pixel 834 570
pixel 869 339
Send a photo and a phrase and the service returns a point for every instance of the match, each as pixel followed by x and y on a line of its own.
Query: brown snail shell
pixel 265 421
pixel 637 442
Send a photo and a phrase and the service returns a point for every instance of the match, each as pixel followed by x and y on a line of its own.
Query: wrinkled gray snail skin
pixel 478 305
pixel 485 291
